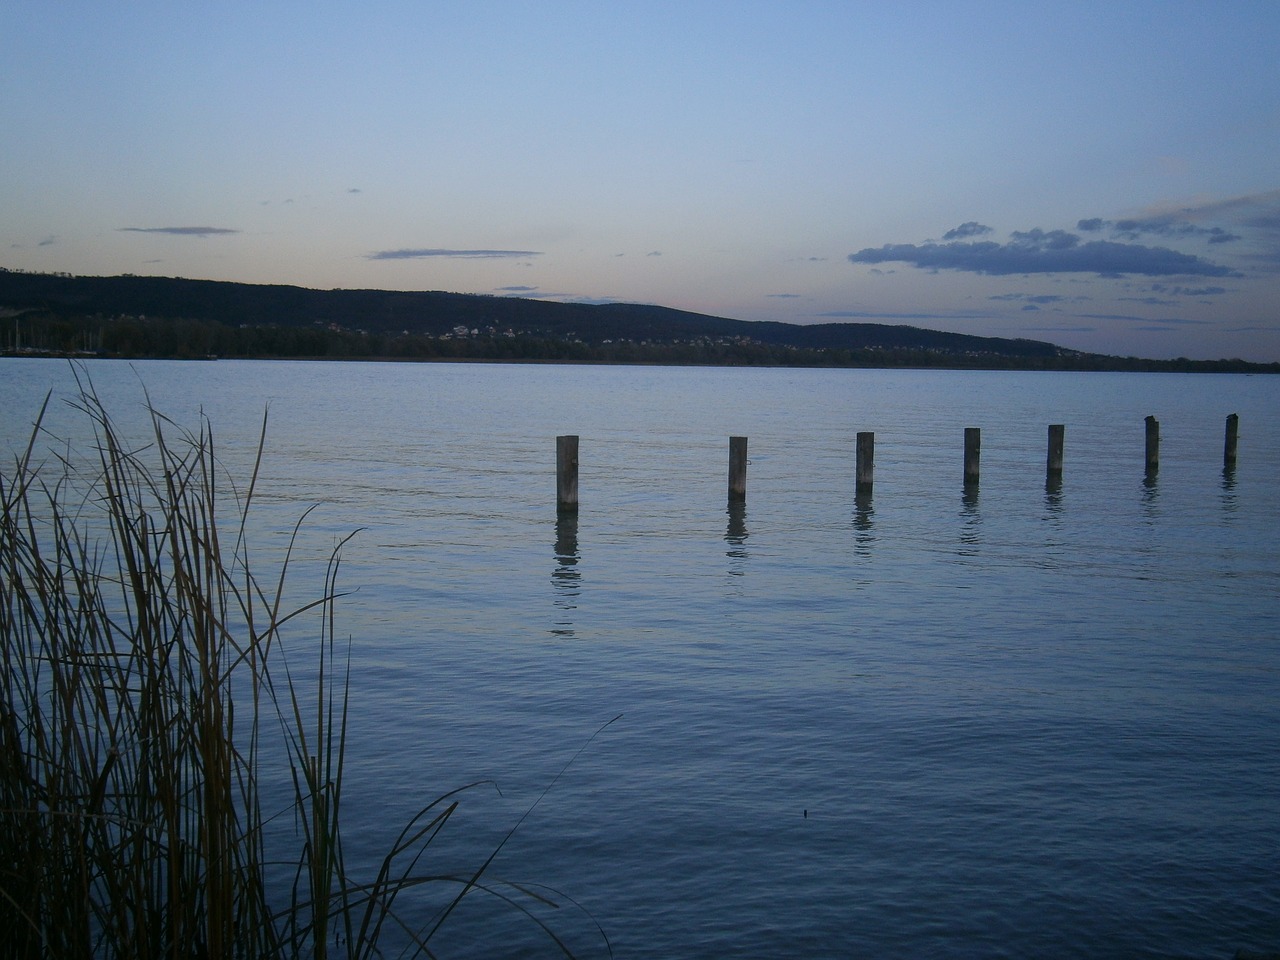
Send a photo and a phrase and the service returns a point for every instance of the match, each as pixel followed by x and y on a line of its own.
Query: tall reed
pixel 145 702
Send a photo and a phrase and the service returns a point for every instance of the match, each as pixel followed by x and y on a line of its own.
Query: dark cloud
pixel 181 231
pixel 517 289
pixel 1044 251
pixel 654 253
pixel 971 229
pixel 439 252
pixel 355 190
pixel 783 296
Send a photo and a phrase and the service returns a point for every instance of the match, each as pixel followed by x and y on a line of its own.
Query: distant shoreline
pixel 1122 365
pixel 138 317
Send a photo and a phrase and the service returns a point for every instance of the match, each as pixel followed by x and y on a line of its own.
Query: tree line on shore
pixel 156 317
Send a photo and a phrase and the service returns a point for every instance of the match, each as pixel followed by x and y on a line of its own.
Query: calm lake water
pixel 1026 721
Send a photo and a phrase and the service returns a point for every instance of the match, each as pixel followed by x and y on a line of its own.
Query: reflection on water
pixel 1229 504
pixel 566 578
pixel 864 534
pixel 1053 495
pixel 1150 496
pixel 735 535
pixel 971 529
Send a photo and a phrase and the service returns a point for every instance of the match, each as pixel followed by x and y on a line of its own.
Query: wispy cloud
pixel 1253 216
pixel 181 231
pixel 516 288
pixel 871 315
pixel 1189 291
pixel 1038 298
pixel 1164 322
pixel 1163 225
pixel 1043 251
pixel 430 252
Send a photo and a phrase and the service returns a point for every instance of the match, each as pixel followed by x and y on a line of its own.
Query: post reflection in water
pixel 1150 496
pixel 735 536
pixel 1053 495
pixel 1229 489
pixel 566 578
pixel 864 532
pixel 971 530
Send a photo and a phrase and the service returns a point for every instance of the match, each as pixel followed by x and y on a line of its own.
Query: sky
pixel 1101 175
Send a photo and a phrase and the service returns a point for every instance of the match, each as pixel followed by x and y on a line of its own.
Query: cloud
pixel 1035 298
pixel 1216 221
pixel 1188 291
pixel 870 315
pixel 1164 225
pixel 47 242
pixel 1170 321
pixel 970 229
pixel 782 296
pixel 181 231
pixel 459 254
pixel 1044 251
pixel 517 288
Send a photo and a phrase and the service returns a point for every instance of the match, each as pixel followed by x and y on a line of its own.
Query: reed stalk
pixel 142 674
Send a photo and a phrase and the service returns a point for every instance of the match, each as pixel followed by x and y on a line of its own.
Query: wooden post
pixel 1053 466
pixel 1229 447
pixel 865 467
pixel 737 468
pixel 567 473
pixel 972 454
pixel 1153 446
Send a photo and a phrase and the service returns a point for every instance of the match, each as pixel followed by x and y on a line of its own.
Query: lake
pixel 1022 719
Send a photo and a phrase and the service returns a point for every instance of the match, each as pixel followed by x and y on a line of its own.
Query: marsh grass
pixel 148 697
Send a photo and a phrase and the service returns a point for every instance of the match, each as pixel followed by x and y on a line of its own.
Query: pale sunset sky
pixel 1101 175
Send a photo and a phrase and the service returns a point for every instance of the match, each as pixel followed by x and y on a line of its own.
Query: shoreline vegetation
pixel 133 317
pixel 171 782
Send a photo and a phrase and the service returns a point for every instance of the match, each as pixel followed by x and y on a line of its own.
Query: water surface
pixel 1026 719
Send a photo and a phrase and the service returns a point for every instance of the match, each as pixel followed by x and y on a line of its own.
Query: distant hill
pixel 135 316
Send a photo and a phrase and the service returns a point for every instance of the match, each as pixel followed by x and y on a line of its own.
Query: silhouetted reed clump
pixel 146 702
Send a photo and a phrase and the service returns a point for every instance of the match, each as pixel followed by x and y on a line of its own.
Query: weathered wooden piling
pixel 865 464
pixel 972 455
pixel 1053 464
pixel 567 473
pixel 1229 445
pixel 737 468
pixel 1153 446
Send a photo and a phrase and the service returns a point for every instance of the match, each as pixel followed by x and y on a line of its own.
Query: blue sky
pixel 1105 176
